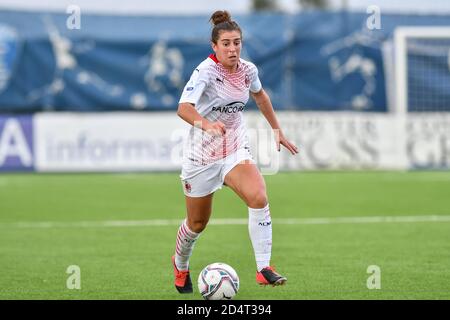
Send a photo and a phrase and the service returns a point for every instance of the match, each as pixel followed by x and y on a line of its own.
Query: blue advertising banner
pixel 316 60
pixel 16 143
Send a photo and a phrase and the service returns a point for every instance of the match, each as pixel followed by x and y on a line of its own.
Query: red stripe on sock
pixel 183 232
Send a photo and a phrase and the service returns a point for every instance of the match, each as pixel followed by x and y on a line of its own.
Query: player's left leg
pixel 247 182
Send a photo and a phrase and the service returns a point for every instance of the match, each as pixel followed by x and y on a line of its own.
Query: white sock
pixel 185 244
pixel 260 229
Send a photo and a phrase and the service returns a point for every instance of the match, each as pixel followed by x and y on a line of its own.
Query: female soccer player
pixel 217 149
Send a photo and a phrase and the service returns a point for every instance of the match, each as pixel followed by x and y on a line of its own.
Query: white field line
pixel 176 222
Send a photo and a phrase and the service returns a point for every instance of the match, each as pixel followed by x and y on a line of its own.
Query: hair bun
pixel 219 17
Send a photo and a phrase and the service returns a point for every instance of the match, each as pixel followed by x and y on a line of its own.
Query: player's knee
pixel 198 225
pixel 258 199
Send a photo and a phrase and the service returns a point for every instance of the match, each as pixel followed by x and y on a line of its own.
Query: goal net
pixel 422 69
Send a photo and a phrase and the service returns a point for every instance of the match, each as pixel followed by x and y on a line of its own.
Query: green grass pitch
pixel 326 260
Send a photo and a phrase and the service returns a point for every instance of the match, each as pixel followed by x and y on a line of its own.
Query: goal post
pixel 422 69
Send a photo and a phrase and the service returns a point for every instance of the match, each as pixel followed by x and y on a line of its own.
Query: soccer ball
pixel 218 281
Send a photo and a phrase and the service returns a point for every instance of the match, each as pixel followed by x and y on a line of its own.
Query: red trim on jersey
pixel 213 57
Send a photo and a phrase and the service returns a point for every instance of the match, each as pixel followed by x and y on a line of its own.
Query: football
pixel 218 281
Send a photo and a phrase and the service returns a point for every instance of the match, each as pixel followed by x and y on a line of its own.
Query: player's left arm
pixel 262 99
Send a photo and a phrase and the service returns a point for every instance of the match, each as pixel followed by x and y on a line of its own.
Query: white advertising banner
pixel 340 141
pixel 428 141
pixel 108 141
pixel 330 141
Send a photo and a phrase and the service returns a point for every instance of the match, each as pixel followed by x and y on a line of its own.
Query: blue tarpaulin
pixel 316 60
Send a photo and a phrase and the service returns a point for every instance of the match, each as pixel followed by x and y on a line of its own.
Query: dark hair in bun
pixel 221 21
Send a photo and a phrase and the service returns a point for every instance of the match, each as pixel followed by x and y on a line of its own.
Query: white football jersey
pixel 219 95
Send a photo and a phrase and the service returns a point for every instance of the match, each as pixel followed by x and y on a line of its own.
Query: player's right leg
pixel 198 213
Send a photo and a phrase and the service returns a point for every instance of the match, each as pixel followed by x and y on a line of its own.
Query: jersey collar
pixel 213 57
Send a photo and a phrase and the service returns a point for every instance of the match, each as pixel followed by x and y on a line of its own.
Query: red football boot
pixel 268 276
pixel 183 281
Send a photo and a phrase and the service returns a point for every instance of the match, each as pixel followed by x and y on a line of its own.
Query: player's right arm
pixel 188 113
pixel 190 97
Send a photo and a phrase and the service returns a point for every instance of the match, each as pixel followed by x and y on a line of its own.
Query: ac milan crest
pixel 247 81
pixel 187 186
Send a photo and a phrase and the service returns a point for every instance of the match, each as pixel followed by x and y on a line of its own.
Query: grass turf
pixel 321 261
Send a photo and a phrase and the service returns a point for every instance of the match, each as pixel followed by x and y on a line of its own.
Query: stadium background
pixel 370 186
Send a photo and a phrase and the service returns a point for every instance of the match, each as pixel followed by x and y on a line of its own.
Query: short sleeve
pixel 255 85
pixel 195 86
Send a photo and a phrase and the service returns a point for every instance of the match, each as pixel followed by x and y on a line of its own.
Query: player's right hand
pixel 216 128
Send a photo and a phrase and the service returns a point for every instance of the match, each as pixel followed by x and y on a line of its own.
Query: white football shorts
pixel 199 181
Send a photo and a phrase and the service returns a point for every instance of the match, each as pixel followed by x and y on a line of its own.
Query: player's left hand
pixel 280 139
